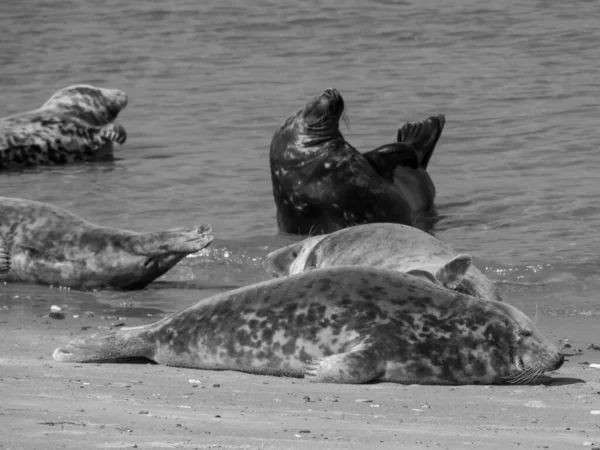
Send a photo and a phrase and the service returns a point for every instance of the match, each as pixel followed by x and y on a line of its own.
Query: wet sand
pixel 48 405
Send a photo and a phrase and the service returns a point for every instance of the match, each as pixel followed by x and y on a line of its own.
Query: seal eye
pixel 524 333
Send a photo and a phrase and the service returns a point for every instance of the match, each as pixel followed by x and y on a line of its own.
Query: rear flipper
pixel 387 158
pixel 422 136
pixel 449 276
pixel 106 346
pixel 360 365
pixel 176 240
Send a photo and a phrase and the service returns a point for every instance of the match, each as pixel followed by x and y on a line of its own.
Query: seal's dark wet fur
pixel 321 183
pixel 75 124
pixel 41 243
pixel 341 325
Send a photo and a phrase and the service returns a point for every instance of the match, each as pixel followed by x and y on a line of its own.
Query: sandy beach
pixel 51 405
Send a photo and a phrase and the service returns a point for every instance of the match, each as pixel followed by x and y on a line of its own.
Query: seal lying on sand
pixel 41 243
pixel 339 325
pixel 75 124
pixel 322 184
pixel 388 246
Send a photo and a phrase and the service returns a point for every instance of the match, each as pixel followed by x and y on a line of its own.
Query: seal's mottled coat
pixel 75 124
pixel 341 325
pixel 41 243
pixel 384 245
pixel 322 184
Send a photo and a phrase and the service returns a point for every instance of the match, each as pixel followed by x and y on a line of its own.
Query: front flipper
pixel 4 257
pixel 113 132
pixel 387 158
pixel 360 365
pixel 422 136
pixel 176 240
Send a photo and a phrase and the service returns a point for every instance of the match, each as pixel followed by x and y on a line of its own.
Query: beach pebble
pixel 363 400
pixel 594 366
pixel 303 431
pixel 374 405
pixel 595 412
pixel 55 308
pixel 331 399
pixel 535 404
pixel 194 383
pixel 216 385
pixel 588 443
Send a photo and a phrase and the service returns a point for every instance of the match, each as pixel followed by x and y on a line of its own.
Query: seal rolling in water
pixel 387 246
pixel 41 243
pixel 322 184
pixel 75 124
pixel 339 325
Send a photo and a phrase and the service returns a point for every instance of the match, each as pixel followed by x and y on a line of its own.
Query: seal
pixel 387 246
pixel 75 124
pixel 339 325
pixel 41 243
pixel 322 184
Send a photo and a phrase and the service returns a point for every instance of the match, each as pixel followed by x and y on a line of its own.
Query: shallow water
pixel 515 170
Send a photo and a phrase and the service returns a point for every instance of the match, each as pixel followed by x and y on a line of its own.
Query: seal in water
pixel 387 246
pixel 339 325
pixel 322 184
pixel 75 124
pixel 41 243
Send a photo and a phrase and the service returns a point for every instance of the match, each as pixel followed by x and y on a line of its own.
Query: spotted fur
pixel 75 124
pixel 41 243
pixel 339 325
pixel 385 245
pixel 322 184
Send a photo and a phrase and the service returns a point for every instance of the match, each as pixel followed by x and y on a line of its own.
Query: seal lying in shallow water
pixel 388 246
pixel 322 184
pixel 41 243
pixel 75 124
pixel 339 325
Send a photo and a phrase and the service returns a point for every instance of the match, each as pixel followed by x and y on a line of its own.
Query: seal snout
pixel 558 362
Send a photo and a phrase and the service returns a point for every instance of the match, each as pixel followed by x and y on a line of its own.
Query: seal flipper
pixel 107 346
pixel 454 271
pixel 387 158
pixel 113 132
pixel 176 240
pixel 360 365
pixel 4 257
pixel 422 136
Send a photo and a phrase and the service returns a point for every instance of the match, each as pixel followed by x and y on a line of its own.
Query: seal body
pixel 75 124
pixel 387 246
pixel 41 243
pixel 340 325
pixel 322 184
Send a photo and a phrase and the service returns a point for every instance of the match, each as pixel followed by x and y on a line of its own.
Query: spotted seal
pixel 388 246
pixel 339 325
pixel 322 184
pixel 75 124
pixel 41 243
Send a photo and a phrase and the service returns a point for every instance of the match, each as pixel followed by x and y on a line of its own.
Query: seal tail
pixel 422 136
pixel 176 240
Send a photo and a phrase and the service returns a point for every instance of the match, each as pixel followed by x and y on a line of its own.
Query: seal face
pixel 41 243
pixel 387 246
pixel 339 325
pixel 322 184
pixel 75 124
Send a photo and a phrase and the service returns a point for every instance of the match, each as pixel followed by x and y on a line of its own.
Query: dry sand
pixel 51 405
